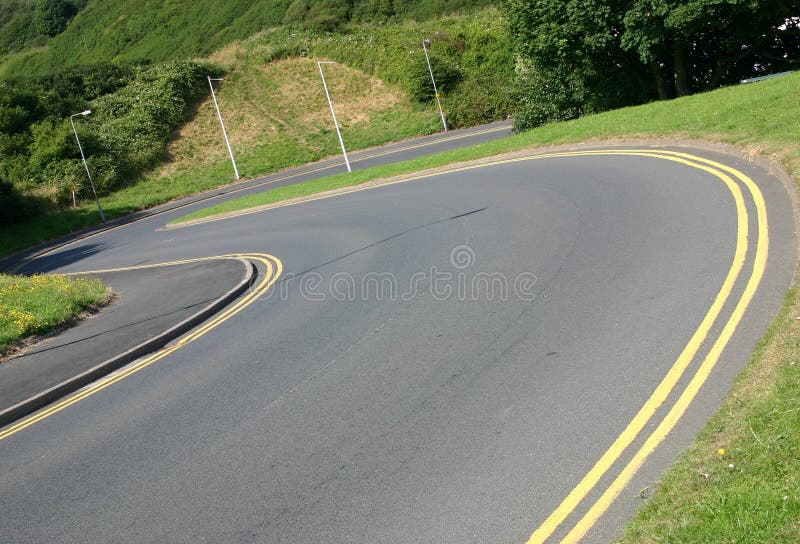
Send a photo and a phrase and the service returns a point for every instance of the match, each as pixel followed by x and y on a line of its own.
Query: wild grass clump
pixel 36 304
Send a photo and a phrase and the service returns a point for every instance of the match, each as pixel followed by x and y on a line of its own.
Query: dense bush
pixel 14 207
pixel 135 123
pixel 17 26
pixel 30 23
pixel 446 73
pixel 134 110
pixel 53 16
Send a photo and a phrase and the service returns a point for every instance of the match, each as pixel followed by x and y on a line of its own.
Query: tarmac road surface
pixel 442 360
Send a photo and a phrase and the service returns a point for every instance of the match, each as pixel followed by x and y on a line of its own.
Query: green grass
pixel 34 305
pixel 144 30
pixel 759 116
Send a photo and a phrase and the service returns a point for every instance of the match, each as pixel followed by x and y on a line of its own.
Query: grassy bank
pixel 759 117
pixel 34 305
pixel 471 57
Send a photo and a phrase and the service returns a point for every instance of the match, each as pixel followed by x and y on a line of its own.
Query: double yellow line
pixel 273 269
pixel 731 178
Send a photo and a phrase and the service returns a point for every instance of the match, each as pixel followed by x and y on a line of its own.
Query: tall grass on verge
pixel 33 305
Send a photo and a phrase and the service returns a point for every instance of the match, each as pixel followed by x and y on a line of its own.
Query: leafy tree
pixel 571 58
pixel 694 45
pixel 582 56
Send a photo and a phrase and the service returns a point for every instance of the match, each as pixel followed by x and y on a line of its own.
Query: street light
pixel 222 123
pixel 425 43
pixel 333 113
pixel 85 164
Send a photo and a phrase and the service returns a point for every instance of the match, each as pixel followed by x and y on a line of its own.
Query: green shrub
pixel 135 111
pixel 14 207
pixel 541 96
pixel 53 16
pixel 418 77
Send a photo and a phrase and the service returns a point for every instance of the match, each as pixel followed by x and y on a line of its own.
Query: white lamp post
pixel 425 44
pixel 85 164
pixel 333 113
pixel 222 123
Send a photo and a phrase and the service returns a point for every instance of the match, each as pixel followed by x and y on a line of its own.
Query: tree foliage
pixel 581 56
pixel 695 45
pixel 134 111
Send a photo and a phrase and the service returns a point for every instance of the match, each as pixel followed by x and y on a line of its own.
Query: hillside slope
pixel 155 30
pixel 277 116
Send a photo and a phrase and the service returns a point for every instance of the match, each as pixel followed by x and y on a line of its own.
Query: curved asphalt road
pixel 433 408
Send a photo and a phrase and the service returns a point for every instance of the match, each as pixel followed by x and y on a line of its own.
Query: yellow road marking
pixel 274 269
pixel 662 391
pixel 703 372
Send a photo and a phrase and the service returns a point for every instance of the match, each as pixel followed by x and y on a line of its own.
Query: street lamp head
pixel 426 41
pixel 86 112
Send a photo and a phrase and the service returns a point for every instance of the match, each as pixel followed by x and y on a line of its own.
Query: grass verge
pixel 760 117
pixel 37 304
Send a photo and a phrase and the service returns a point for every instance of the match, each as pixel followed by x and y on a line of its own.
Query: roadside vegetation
pixel 575 57
pixel 39 35
pixel 134 111
pixel 471 57
pixel 37 304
